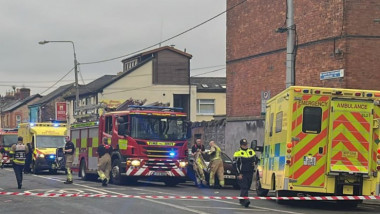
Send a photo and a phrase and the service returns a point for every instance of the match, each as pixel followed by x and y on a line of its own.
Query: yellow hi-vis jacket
pixel 18 151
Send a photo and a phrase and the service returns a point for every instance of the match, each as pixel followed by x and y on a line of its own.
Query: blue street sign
pixel 331 74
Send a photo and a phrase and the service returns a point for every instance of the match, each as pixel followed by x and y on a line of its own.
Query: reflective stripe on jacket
pixel 244 160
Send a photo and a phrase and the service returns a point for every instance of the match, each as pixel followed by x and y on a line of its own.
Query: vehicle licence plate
pixel 159 174
pixel 309 161
pixel 349 154
pixel 230 176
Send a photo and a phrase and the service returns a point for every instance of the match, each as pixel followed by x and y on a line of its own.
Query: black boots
pixel 68 182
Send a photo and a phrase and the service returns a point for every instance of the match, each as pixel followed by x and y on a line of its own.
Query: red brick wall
pixel 256 58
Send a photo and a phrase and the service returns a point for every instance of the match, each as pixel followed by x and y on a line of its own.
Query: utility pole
pixel 290 71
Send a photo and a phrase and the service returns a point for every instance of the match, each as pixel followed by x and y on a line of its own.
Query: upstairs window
pixel 206 106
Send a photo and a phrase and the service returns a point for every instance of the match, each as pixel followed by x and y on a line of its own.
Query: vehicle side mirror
pixel 259 149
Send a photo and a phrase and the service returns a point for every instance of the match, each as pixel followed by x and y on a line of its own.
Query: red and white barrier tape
pixel 311 198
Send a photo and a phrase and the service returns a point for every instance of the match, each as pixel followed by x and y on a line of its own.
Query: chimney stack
pixel 24 93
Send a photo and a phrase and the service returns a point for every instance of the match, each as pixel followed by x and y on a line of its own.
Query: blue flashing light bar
pixel 32 124
pixel 51 156
pixel 56 125
pixel 172 154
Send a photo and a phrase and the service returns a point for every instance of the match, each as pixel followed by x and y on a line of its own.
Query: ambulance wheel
pixel 259 190
pixel 117 178
pixel 83 173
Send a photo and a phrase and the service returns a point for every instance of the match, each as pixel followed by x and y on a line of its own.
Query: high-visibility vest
pixel 19 154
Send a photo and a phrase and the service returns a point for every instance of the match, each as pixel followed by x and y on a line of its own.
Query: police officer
pixel 245 159
pixel 104 161
pixel 216 164
pixel 69 157
pixel 18 152
pixel 199 165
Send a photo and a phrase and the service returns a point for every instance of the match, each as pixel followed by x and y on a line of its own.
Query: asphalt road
pixel 46 183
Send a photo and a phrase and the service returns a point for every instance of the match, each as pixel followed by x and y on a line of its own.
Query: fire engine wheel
pixel 83 173
pixel 116 173
pixel 259 190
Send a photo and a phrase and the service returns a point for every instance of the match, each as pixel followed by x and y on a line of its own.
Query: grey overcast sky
pixel 101 30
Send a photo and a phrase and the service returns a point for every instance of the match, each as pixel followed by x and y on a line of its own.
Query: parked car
pixel 230 172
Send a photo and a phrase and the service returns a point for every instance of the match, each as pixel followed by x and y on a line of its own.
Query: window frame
pixel 279 121
pixel 108 128
pixel 304 130
pixel 199 104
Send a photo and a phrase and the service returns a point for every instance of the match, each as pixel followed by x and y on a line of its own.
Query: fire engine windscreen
pixel 9 140
pixel 50 141
pixel 158 128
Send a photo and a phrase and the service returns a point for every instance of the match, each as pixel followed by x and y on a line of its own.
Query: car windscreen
pixel 158 128
pixel 9 140
pixel 50 141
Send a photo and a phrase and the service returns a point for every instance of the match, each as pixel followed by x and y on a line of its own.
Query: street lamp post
pixel 75 69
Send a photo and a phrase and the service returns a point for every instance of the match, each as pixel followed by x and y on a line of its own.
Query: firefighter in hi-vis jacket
pixel 104 162
pixel 216 164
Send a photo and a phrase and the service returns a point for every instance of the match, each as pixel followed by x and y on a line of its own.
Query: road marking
pixel 117 193
pixel 190 210
pixel 226 202
pixel 227 208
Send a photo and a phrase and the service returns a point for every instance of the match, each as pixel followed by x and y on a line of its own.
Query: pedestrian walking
pixel 28 159
pixel 216 165
pixel 245 160
pixel 104 161
pixel 69 158
pixel 18 153
pixel 199 164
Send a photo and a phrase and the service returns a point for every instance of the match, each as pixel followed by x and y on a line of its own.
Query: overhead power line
pixel 58 81
pixel 168 39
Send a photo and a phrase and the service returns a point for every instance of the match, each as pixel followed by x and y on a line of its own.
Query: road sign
pixel 331 74
pixel 265 95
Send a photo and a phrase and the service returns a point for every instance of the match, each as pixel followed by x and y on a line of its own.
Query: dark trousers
pixel 28 161
pixel 245 185
pixel 18 171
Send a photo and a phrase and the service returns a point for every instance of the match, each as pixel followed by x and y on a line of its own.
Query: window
pixel 312 120
pixel 279 122
pixel 206 106
pixel 18 119
pixel 271 125
pixel 108 128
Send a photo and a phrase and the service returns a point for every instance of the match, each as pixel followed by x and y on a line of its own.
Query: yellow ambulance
pixel 321 141
pixel 44 138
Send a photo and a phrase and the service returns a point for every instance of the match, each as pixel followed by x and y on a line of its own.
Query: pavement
pixel 47 183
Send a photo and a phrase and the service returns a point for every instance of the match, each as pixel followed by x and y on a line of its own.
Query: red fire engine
pixel 149 143
pixel 8 137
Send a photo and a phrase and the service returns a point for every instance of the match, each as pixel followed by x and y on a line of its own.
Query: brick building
pixel 331 34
